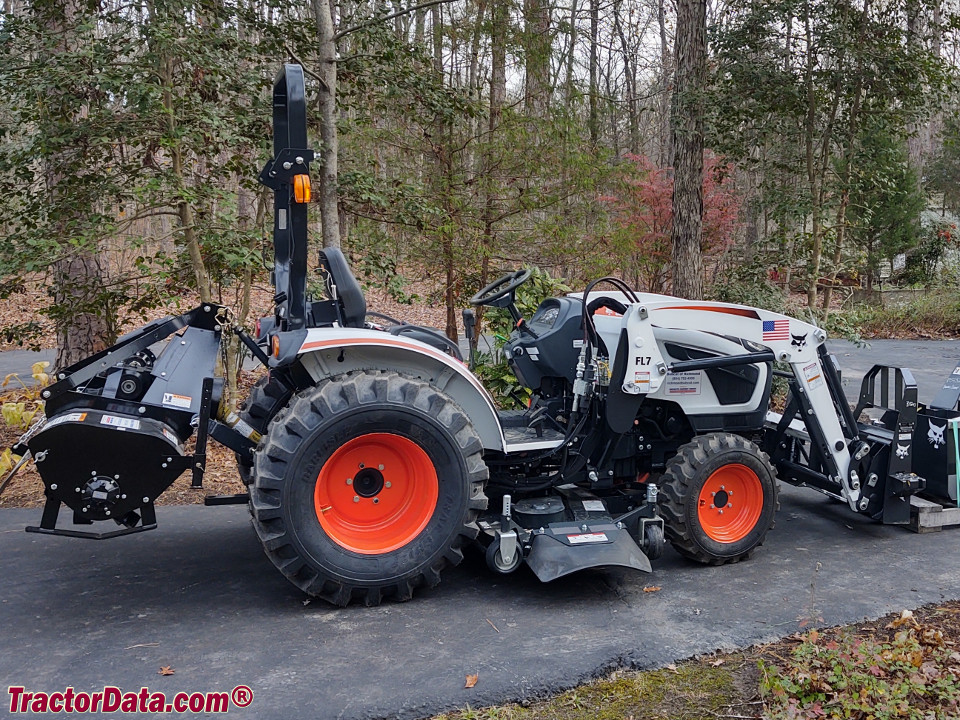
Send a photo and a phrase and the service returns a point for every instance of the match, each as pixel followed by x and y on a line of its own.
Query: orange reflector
pixel 301 188
pixel 275 346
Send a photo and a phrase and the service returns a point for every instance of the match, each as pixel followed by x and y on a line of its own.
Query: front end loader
pixel 373 455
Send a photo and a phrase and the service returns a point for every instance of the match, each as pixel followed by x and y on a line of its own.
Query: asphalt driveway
pixel 199 596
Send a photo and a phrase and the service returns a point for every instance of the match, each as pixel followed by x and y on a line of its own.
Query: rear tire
pixel 267 398
pixel 367 486
pixel 719 496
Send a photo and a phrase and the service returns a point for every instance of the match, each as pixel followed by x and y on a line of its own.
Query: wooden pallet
pixel 929 516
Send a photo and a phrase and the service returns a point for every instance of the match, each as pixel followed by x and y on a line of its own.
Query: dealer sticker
pixel 120 422
pixel 685 383
pixel 587 538
pixel 177 401
pixel 814 375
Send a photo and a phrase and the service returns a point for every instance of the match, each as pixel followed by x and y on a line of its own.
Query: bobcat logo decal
pixel 935 435
pixel 902 451
pixel 799 341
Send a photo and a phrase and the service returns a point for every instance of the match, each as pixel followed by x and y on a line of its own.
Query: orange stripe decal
pixel 710 308
pixel 436 354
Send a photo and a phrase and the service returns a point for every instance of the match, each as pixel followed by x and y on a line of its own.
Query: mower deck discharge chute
pixel 373 454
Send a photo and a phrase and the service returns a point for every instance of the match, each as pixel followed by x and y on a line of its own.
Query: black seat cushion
pixel 353 306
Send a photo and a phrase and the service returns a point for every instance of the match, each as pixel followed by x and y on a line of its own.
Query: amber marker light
pixel 301 188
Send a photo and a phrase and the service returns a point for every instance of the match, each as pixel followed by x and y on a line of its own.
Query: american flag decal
pixel 776 330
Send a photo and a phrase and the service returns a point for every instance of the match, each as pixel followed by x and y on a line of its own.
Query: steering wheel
pixel 500 293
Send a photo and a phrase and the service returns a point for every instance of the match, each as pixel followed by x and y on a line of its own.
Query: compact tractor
pixel 373 455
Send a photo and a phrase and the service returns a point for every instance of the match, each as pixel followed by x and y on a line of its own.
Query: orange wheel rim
pixel 730 503
pixel 376 493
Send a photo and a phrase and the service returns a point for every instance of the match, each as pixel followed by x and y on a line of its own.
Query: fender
pixel 326 352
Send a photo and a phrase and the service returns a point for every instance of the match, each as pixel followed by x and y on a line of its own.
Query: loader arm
pixel 823 407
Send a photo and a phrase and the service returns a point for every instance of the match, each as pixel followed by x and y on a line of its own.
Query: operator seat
pixel 352 306
pixel 336 272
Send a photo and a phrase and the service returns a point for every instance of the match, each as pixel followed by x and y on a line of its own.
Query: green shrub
pixel 492 367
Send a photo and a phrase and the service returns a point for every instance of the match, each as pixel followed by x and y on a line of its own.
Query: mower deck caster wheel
pixel 495 559
pixel 653 541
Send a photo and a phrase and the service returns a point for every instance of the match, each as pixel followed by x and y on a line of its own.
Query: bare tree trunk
pixel 665 157
pixel 568 90
pixel 687 122
pixel 185 214
pixel 498 93
pixel 442 142
pixel 630 77
pixel 812 185
pixel 537 47
pixel 76 280
pixel 327 56
pixel 817 171
pixel 473 86
pixel 593 123
pixel 853 126
pixel 82 329
pixel 437 36
pixel 419 26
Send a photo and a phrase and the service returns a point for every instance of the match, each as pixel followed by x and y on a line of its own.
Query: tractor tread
pixel 266 399
pixel 280 449
pixel 679 486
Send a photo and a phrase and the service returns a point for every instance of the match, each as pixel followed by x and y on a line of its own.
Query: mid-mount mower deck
pixel 373 454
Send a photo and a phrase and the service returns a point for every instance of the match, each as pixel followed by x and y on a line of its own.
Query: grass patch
pixel 694 690
pixel 904 667
pixel 935 314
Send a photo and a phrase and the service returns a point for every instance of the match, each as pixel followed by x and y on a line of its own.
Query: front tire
pixel 719 496
pixel 367 486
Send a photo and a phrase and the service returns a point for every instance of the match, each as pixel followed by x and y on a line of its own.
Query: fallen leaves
pixel 166 670
pixel 471 681
pixel 906 619
pixel 909 663
pixel 652 588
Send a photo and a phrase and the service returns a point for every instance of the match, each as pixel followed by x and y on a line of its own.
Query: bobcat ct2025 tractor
pixel 373 454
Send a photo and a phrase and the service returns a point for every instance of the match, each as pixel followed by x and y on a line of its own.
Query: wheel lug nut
pixel 362 466
pixel 721 512
pixel 356 498
pixel 712 507
pixel 387 484
pixel 713 494
pixel 376 501
pixel 729 505
pixel 379 467
pixel 349 481
pixel 722 487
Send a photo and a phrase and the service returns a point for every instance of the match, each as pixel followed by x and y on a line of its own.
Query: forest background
pixel 462 138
